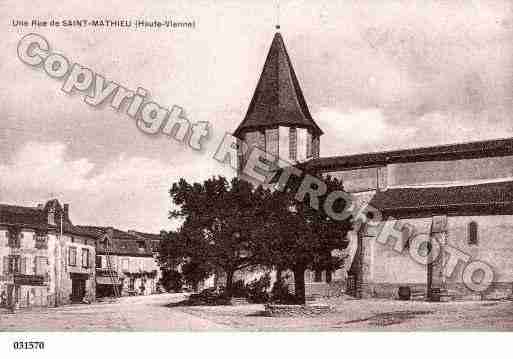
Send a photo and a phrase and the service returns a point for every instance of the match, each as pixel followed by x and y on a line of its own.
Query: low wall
pixel 280 310
pixel 320 289
pixel 456 291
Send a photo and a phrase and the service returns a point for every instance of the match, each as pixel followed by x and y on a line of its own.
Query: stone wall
pixel 444 172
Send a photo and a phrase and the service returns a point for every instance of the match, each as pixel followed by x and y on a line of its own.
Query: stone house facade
pixel 125 262
pixel 34 243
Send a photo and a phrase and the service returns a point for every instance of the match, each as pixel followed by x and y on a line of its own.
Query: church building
pixel 457 195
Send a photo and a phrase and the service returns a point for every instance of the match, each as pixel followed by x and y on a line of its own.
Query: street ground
pixel 144 313
pixel 381 315
pixel 153 313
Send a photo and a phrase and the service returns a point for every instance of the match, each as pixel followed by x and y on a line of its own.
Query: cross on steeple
pixel 277 14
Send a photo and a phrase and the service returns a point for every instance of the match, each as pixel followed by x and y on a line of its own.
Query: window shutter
pixel 42 263
pixel 6 264
pixel 23 264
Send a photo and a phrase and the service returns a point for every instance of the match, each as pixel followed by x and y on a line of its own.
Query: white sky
pixel 376 75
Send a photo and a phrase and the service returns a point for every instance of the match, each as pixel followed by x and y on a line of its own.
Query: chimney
pixel 66 212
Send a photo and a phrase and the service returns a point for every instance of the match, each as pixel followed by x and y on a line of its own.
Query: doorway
pixel 78 288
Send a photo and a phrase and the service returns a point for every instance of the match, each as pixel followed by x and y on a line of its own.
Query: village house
pixel 126 262
pixel 45 259
pixel 458 195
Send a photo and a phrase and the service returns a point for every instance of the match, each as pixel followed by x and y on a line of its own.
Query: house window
pixel 85 258
pixel 141 246
pixel 12 264
pixel 472 233
pixel 98 261
pixel 72 256
pixel 41 265
pixel 293 143
pixel 41 240
pixel 14 236
pixel 125 265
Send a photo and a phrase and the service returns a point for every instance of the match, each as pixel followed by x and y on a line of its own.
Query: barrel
pixel 404 293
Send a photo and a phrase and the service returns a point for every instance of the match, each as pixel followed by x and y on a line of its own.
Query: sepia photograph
pixel 314 168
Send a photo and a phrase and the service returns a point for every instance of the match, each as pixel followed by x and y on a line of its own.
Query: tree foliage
pixel 306 237
pixel 222 222
pixel 232 225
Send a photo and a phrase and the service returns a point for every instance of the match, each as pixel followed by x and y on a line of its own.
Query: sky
pixel 376 75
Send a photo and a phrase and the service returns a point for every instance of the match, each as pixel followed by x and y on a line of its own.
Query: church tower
pixel 278 120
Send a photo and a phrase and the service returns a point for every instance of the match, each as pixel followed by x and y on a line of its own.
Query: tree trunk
pixel 299 284
pixel 279 279
pixel 229 284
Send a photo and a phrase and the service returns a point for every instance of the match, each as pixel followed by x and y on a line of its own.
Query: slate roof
pixel 488 148
pixel 278 99
pixel 485 197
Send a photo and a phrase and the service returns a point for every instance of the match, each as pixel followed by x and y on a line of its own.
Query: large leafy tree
pixel 303 237
pixel 223 222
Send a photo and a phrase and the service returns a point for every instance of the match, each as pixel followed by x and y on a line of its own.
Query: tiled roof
pixel 278 99
pixel 486 197
pixel 37 218
pixel 80 231
pixel 23 216
pixel 152 237
pixel 489 148
pixel 121 242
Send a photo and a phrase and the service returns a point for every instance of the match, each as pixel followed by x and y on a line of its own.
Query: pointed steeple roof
pixel 278 99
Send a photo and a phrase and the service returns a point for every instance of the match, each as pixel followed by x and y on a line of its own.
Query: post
pixel 437 286
pixel 56 269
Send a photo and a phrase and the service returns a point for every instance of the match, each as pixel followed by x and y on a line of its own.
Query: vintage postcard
pixel 235 166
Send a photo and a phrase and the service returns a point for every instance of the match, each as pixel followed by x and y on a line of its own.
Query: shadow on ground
pixel 390 318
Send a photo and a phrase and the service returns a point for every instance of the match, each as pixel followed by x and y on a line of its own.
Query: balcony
pixel 29 279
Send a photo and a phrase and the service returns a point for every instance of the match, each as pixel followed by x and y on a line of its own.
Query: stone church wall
pixel 450 172
pixel 390 269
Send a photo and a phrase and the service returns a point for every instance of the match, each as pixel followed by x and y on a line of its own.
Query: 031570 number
pixel 23 345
